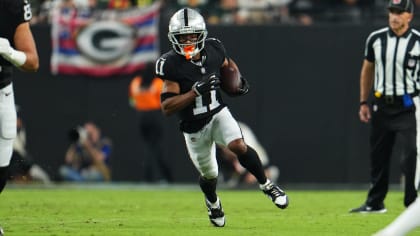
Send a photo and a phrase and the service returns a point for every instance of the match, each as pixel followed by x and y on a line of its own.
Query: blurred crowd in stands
pixel 243 12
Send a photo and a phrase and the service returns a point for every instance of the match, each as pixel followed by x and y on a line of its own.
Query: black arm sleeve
pixel 166 95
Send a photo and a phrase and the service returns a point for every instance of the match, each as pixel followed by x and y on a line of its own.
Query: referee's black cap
pixel 402 5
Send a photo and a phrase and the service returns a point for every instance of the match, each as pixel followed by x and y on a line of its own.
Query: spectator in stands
pixel 281 12
pixel 233 173
pixel 142 3
pixel 41 11
pixel 254 12
pixel 344 11
pixel 119 4
pixel 22 165
pixel 263 11
pixel 224 12
pixel 202 6
pixel 240 12
pixel 88 156
pixel 144 96
pixel 307 12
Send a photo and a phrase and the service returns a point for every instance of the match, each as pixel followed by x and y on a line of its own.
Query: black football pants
pixel 386 127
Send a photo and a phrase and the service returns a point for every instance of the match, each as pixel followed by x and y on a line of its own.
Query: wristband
pixel 17 58
pixel 363 103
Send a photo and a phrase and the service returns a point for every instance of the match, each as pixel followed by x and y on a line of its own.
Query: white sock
pixel 264 186
pixel 216 204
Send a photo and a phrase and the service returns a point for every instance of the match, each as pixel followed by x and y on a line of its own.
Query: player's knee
pixel 238 146
pixel 208 178
pixel 210 174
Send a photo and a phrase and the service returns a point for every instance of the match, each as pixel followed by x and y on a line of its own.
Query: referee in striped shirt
pixel 391 67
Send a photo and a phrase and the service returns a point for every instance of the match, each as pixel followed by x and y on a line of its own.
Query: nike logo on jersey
pixel 7 94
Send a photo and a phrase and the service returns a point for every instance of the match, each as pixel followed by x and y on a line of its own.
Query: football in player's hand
pixel 230 79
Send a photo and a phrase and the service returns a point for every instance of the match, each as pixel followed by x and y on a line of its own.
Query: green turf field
pixel 181 211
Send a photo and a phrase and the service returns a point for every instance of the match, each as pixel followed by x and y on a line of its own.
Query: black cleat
pixel 216 215
pixel 276 194
pixel 368 209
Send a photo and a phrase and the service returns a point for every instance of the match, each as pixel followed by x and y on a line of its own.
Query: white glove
pixel 5 49
pixel 17 58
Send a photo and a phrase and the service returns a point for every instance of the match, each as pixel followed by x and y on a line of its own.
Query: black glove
pixel 245 87
pixel 205 85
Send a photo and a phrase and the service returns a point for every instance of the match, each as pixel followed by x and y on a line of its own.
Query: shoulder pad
pixel 214 39
pixel 165 65
pixel 19 8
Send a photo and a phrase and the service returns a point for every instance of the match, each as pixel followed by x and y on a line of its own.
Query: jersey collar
pixel 405 35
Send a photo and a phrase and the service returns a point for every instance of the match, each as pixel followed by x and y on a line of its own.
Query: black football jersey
pixel 13 13
pixel 174 67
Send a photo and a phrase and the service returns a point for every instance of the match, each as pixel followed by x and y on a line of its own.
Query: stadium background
pixel 303 104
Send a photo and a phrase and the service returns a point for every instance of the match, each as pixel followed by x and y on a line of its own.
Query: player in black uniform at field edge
pixel 191 73
pixel 17 48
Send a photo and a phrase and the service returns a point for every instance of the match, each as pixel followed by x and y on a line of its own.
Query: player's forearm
pixel 365 88
pixel 366 80
pixel 27 61
pixel 31 64
pixel 24 44
pixel 174 104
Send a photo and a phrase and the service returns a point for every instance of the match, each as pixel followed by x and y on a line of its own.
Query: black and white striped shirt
pixel 396 61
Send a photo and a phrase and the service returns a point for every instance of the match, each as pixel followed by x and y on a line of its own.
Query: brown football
pixel 230 79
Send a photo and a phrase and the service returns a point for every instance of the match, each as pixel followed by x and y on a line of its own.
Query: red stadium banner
pixel 104 43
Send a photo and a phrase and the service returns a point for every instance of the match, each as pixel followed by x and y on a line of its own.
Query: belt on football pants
pixel 395 100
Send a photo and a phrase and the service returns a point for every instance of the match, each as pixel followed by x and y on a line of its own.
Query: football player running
pixel 191 73
pixel 17 48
